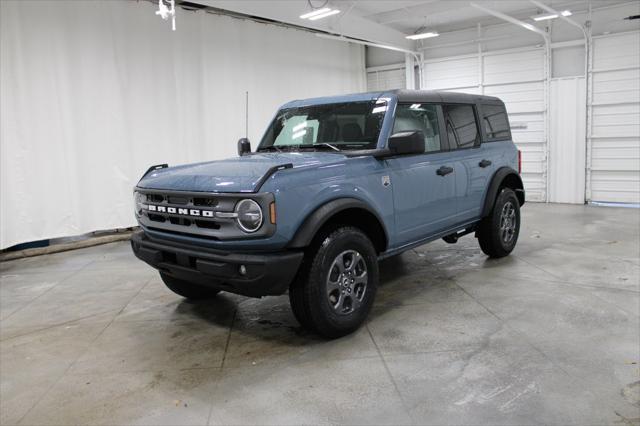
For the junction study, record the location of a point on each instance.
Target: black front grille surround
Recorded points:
(201, 214)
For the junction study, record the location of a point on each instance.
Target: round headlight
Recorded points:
(249, 215)
(138, 200)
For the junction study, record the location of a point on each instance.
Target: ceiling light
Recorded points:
(324, 15)
(547, 16)
(544, 17)
(528, 26)
(422, 35)
(314, 13)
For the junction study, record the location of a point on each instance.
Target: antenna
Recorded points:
(246, 115)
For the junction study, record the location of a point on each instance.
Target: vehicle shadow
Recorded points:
(270, 319)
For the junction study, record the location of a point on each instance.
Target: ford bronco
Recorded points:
(335, 185)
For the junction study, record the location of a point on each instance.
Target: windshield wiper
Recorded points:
(335, 148)
(319, 145)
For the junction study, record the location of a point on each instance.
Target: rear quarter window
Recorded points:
(462, 128)
(495, 123)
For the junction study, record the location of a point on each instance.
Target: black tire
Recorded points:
(497, 235)
(187, 289)
(321, 299)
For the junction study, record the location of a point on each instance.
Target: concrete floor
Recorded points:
(549, 335)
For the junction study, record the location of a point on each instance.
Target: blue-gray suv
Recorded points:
(335, 185)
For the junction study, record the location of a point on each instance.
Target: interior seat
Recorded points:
(407, 121)
(351, 132)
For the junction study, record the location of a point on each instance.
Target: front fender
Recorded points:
(316, 220)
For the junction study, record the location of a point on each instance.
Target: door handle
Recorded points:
(484, 163)
(444, 170)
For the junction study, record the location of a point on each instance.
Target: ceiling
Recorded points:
(447, 15)
(389, 21)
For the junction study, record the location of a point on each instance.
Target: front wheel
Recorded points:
(334, 291)
(187, 289)
(498, 232)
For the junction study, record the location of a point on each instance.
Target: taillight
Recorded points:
(519, 162)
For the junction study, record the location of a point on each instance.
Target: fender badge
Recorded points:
(386, 181)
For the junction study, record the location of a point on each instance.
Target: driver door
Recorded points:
(423, 184)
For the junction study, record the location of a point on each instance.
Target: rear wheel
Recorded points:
(498, 232)
(334, 291)
(187, 289)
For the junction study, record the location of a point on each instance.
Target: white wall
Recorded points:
(386, 77)
(93, 92)
(377, 57)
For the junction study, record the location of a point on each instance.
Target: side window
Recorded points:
(495, 122)
(423, 117)
(461, 125)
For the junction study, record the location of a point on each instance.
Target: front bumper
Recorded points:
(266, 273)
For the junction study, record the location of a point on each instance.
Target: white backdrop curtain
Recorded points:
(93, 92)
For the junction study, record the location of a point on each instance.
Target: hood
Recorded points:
(241, 174)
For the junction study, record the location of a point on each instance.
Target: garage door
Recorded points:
(458, 74)
(518, 79)
(614, 120)
(386, 78)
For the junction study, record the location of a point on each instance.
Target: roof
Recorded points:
(406, 95)
(403, 95)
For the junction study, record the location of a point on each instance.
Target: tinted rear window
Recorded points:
(461, 125)
(495, 123)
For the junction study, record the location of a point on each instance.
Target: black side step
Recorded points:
(453, 238)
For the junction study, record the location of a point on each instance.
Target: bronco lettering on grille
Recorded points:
(181, 211)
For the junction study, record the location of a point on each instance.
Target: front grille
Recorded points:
(155, 198)
(180, 201)
(205, 202)
(157, 217)
(173, 212)
(199, 214)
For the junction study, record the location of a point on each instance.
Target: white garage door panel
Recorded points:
(470, 90)
(616, 86)
(617, 82)
(620, 187)
(528, 135)
(615, 119)
(386, 80)
(514, 67)
(616, 51)
(519, 98)
(615, 154)
(452, 73)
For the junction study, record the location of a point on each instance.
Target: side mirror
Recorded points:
(244, 146)
(403, 143)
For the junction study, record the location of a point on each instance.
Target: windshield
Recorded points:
(331, 127)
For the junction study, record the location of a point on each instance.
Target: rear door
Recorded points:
(424, 184)
(473, 161)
